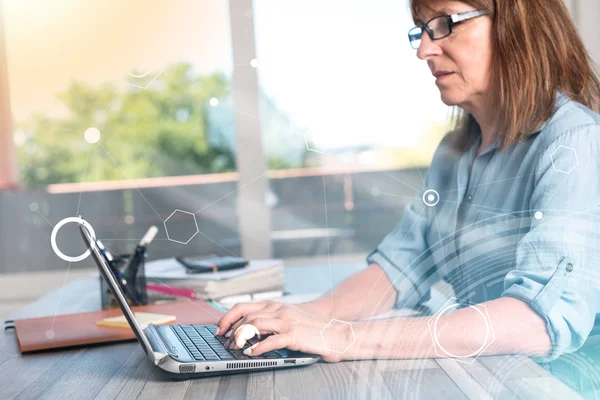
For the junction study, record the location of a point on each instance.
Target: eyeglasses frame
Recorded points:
(451, 20)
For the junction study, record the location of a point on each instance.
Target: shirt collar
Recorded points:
(496, 144)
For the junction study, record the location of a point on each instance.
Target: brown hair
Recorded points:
(537, 52)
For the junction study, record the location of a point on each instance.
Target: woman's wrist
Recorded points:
(365, 342)
(391, 338)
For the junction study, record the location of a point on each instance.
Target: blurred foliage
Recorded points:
(170, 129)
(158, 131)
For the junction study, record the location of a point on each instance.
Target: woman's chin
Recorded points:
(449, 98)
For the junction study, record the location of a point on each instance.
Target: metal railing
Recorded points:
(363, 205)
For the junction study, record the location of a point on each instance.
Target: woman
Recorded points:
(507, 214)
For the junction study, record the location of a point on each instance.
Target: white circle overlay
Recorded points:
(476, 352)
(65, 221)
(91, 135)
(431, 198)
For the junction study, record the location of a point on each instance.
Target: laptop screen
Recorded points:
(114, 287)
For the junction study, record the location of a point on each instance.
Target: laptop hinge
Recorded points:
(159, 348)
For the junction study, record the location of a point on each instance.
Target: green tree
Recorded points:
(158, 131)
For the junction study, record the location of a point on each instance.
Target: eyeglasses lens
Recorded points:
(414, 35)
(439, 27)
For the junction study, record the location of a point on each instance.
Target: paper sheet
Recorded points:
(171, 269)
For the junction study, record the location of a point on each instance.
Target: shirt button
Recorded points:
(569, 267)
(470, 198)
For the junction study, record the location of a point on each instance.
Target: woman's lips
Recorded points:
(442, 77)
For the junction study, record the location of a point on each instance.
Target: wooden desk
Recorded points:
(122, 371)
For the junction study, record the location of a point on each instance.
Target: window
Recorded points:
(122, 113)
(140, 77)
(363, 120)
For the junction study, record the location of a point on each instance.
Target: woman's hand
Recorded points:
(238, 313)
(234, 317)
(295, 327)
(291, 328)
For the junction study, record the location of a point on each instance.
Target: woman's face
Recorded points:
(466, 54)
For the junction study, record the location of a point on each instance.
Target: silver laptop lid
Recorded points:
(108, 276)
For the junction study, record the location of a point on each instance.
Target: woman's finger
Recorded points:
(262, 326)
(244, 321)
(238, 312)
(264, 312)
(274, 342)
(270, 325)
(244, 333)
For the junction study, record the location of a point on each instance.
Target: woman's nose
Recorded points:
(428, 48)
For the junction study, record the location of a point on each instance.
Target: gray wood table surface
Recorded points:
(121, 371)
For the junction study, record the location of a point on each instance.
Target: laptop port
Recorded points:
(289, 361)
(187, 368)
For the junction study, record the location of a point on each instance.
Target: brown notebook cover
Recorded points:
(80, 329)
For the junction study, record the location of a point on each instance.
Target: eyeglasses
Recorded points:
(440, 27)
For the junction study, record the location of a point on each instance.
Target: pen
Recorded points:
(149, 236)
(137, 258)
(139, 252)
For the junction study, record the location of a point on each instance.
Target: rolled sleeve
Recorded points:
(557, 262)
(403, 254)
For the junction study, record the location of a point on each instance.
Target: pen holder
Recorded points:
(134, 288)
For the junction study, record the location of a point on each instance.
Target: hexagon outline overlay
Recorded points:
(308, 147)
(185, 212)
(572, 168)
(351, 331)
(142, 76)
(489, 333)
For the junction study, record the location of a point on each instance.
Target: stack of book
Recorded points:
(172, 277)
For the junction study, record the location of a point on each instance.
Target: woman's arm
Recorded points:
(362, 295)
(510, 326)
(513, 328)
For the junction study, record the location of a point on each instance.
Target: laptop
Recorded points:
(190, 351)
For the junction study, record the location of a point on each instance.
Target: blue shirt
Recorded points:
(522, 222)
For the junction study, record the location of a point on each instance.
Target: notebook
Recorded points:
(258, 276)
(170, 269)
(70, 330)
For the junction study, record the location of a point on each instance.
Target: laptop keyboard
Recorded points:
(204, 346)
